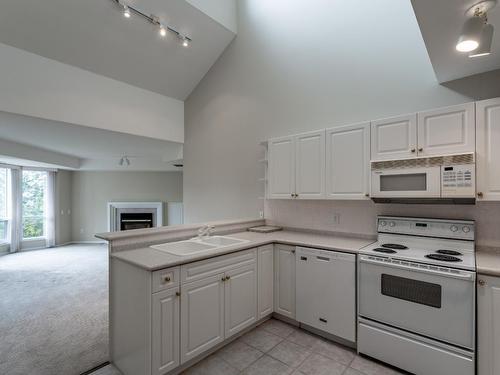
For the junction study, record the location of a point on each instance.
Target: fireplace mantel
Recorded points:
(116, 208)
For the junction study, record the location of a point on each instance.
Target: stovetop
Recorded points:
(437, 242)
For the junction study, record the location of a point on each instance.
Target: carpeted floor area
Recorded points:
(54, 310)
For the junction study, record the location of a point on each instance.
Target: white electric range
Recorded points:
(416, 295)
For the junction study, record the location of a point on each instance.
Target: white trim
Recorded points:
(114, 206)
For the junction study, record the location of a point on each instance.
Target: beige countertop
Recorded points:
(488, 262)
(151, 259)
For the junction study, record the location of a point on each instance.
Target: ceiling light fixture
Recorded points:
(484, 48)
(126, 11)
(155, 20)
(476, 29)
(124, 161)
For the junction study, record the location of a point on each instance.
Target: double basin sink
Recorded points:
(197, 245)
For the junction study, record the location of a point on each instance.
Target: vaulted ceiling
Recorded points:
(93, 35)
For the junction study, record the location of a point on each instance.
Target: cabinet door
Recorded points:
(488, 149)
(448, 130)
(310, 165)
(488, 325)
(202, 316)
(394, 138)
(284, 280)
(265, 273)
(281, 163)
(241, 299)
(165, 335)
(348, 162)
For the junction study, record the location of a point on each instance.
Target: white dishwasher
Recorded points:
(326, 291)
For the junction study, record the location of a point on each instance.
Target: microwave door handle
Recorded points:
(463, 276)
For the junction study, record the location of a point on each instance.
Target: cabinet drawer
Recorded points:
(205, 268)
(165, 279)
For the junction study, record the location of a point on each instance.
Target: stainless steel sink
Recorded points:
(197, 245)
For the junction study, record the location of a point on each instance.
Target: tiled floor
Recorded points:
(276, 348)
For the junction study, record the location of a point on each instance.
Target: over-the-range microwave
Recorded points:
(435, 179)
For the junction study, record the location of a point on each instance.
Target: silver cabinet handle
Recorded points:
(481, 282)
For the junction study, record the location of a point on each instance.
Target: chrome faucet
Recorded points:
(205, 230)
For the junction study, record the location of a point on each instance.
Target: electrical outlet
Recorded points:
(336, 218)
(261, 214)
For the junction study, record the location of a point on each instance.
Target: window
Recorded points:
(34, 193)
(3, 205)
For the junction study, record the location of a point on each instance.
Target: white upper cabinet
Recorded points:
(348, 161)
(394, 138)
(448, 130)
(297, 166)
(310, 165)
(488, 149)
(281, 166)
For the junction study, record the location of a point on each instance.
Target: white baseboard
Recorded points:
(82, 242)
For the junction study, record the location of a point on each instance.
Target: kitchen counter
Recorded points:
(151, 259)
(488, 261)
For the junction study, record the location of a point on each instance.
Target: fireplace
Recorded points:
(134, 215)
(136, 220)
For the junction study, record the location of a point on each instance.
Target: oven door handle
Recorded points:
(462, 275)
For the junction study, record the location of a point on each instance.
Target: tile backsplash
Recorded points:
(358, 217)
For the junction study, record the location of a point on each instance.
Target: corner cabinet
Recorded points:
(348, 162)
(488, 149)
(297, 166)
(488, 325)
(284, 280)
(265, 270)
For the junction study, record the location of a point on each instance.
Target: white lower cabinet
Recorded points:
(265, 270)
(240, 299)
(284, 280)
(202, 316)
(488, 325)
(165, 331)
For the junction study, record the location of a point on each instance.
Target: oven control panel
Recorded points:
(458, 181)
(453, 229)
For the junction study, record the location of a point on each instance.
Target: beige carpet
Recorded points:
(54, 310)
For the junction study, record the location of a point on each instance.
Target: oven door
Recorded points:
(406, 183)
(432, 301)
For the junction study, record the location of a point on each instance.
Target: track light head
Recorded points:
(126, 11)
(163, 31)
(471, 34)
(185, 41)
(484, 48)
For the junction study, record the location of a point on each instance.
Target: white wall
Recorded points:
(298, 66)
(93, 190)
(36, 86)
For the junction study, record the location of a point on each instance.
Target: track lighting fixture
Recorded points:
(477, 34)
(163, 29)
(126, 11)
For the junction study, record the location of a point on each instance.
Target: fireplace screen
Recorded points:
(136, 220)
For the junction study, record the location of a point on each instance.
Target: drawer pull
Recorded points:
(178, 294)
(323, 258)
(323, 320)
(167, 279)
(303, 258)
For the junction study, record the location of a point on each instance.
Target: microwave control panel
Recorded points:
(458, 180)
